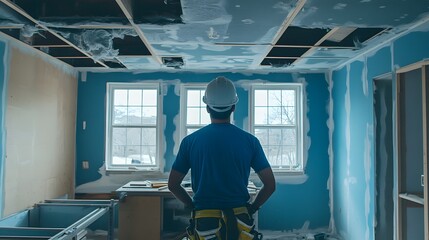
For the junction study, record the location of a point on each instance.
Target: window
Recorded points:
(193, 109)
(276, 121)
(132, 126)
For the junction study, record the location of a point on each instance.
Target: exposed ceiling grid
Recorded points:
(271, 35)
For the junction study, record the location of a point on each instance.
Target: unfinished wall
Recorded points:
(40, 126)
(300, 201)
(354, 129)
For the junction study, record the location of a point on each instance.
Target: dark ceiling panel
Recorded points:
(301, 36)
(174, 62)
(45, 38)
(38, 38)
(13, 32)
(275, 62)
(70, 11)
(81, 62)
(130, 46)
(63, 52)
(357, 37)
(287, 52)
(157, 11)
(112, 64)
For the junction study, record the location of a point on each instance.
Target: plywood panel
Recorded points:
(40, 125)
(140, 218)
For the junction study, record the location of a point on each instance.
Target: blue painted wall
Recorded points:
(353, 135)
(292, 204)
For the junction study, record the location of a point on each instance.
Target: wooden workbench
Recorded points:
(141, 210)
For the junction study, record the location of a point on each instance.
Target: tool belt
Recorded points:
(229, 225)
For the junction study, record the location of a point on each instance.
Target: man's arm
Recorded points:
(269, 186)
(174, 185)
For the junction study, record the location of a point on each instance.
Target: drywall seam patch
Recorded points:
(306, 127)
(364, 77)
(176, 134)
(395, 139)
(347, 132)
(331, 126)
(367, 167)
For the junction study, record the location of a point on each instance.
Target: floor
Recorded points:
(276, 235)
(267, 235)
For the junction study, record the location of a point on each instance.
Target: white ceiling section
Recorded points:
(195, 35)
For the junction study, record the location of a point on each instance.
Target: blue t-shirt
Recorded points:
(220, 157)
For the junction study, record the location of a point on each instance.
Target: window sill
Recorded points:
(287, 173)
(133, 169)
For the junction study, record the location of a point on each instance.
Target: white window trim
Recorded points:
(183, 104)
(298, 87)
(108, 140)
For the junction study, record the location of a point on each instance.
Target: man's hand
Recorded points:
(175, 187)
(251, 209)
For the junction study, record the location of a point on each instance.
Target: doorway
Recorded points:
(384, 160)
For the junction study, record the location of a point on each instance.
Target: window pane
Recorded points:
(275, 98)
(274, 115)
(134, 115)
(290, 158)
(261, 115)
(261, 98)
(134, 97)
(288, 115)
(133, 136)
(149, 155)
(118, 154)
(133, 155)
(150, 97)
(289, 137)
(149, 136)
(119, 136)
(119, 115)
(201, 98)
(193, 116)
(149, 115)
(120, 97)
(288, 97)
(274, 155)
(275, 136)
(194, 98)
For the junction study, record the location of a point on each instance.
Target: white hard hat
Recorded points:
(220, 94)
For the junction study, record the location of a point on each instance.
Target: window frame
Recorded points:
(159, 162)
(184, 106)
(299, 111)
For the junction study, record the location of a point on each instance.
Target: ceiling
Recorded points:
(273, 35)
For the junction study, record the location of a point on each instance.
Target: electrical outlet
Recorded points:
(85, 164)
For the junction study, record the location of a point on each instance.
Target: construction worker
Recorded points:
(220, 157)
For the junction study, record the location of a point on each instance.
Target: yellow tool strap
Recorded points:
(215, 213)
